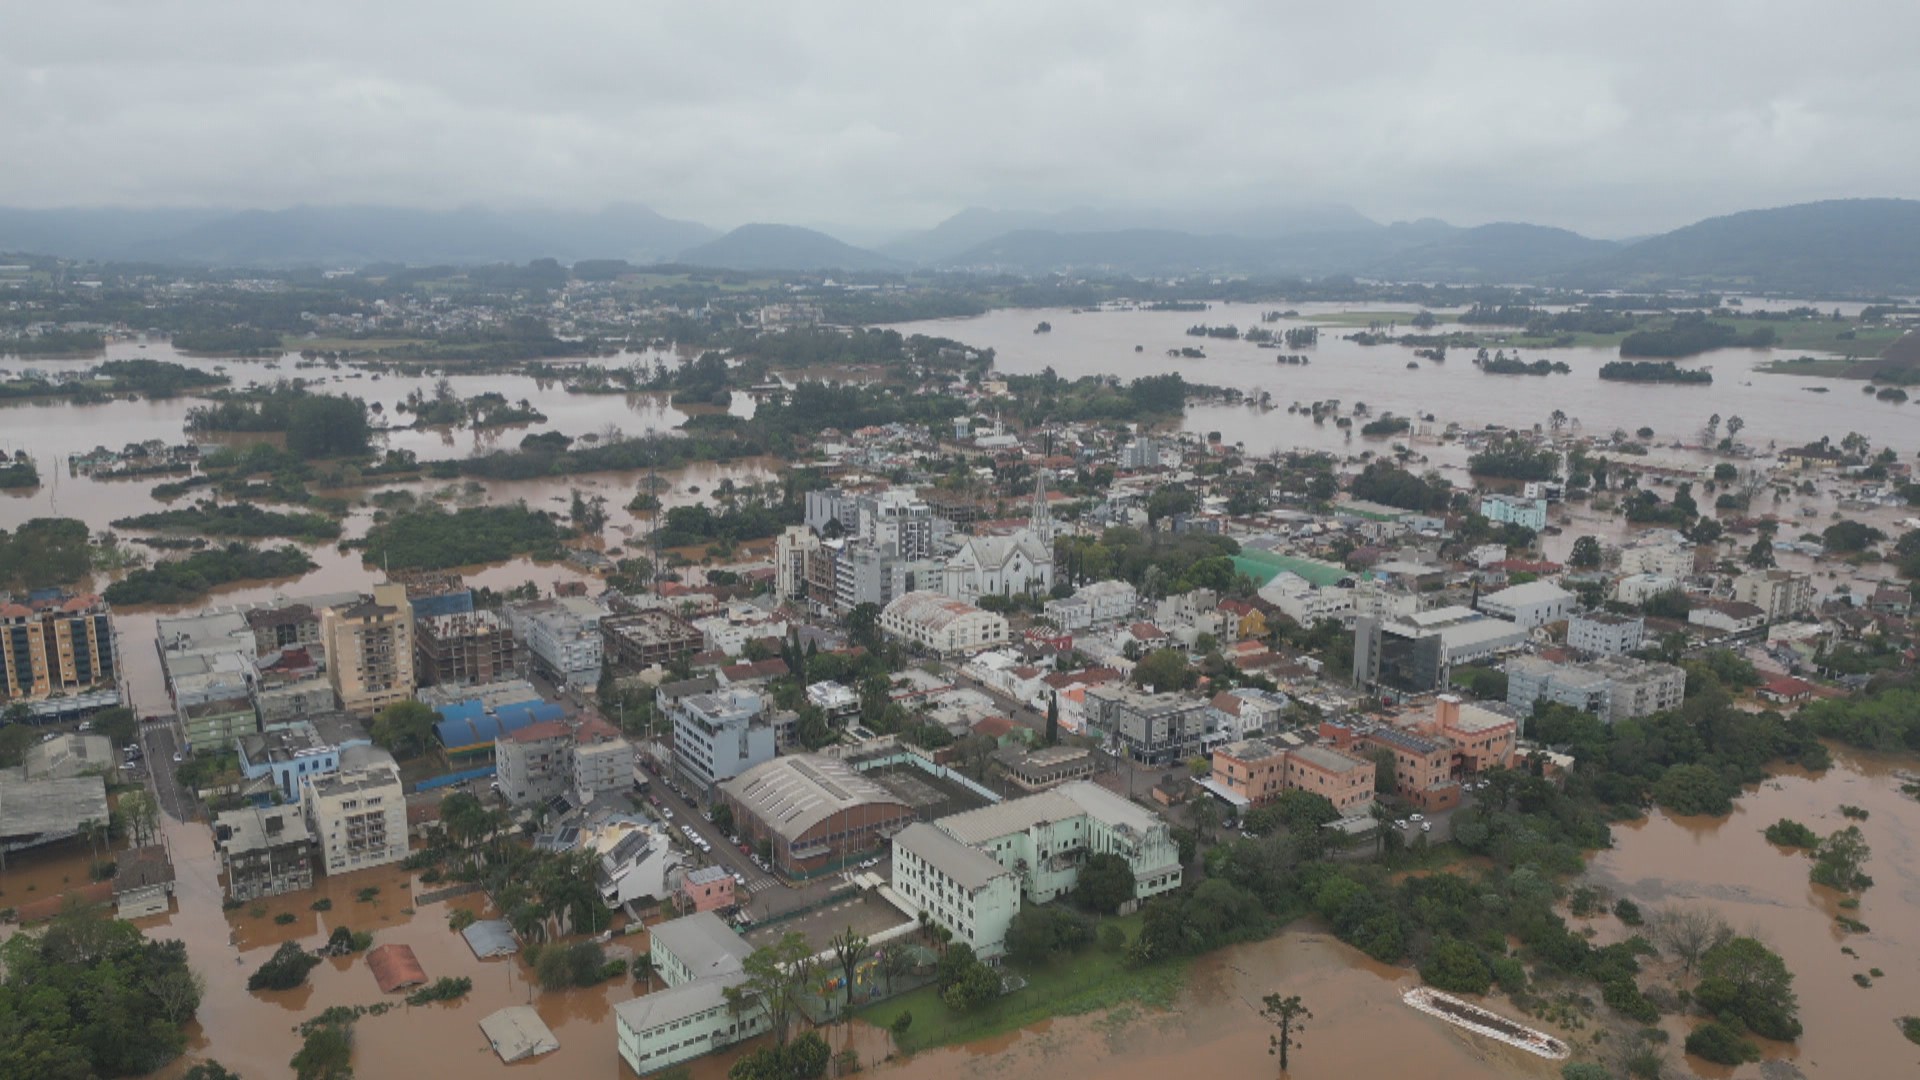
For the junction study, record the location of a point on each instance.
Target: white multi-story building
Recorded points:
(1663, 552)
(1506, 509)
(957, 886)
(1093, 604)
(1533, 604)
(729, 631)
(942, 624)
(1640, 588)
(790, 552)
(1304, 602)
(1602, 633)
(720, 735)
(1612, 688)
(358, 816)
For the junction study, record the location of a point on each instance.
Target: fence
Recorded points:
(451, 779)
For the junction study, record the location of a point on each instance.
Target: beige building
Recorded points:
(370, 650)
(1782, 594)
(358, 816)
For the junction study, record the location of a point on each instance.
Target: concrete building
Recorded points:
(635, 641)
(941, 624)
(462, 648)
(1422, 766)
(815, 813)
(729, 631)
(1602, 633)
(358, 816)
(636, 861)
(1511, 510)
(1013, 565)
(562, 638)
(1044, 839)
(1782, 594)
(1531, 605)
(1306, 603)
(285, 626)
(265, 851)
(57, 651)
(40, 811)
(1612, 688)
(718, 736)
(1417, 653)
(1662, 552)
(1157, 729)
(700, 958)
(1046, 767)
(369, 647)
(535, 762)
(957, 886)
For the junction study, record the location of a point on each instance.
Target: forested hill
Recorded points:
(783, 247)
(1840, 247)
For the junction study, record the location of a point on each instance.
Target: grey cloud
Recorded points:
(1614, 118)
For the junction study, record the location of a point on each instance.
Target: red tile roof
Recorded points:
(395, 967)
(545, 729)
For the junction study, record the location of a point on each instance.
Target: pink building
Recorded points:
(707, 889)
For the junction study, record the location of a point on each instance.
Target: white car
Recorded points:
(1415, 817)
(179, 755)
(1426, 826)
(1400, 824)
(666, 813)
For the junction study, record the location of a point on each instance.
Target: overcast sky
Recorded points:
(1615, 118)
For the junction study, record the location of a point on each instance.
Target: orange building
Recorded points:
(1422, 767)
(1255, 772)
(1481, 738)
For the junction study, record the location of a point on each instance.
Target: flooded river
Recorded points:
(1775, 407)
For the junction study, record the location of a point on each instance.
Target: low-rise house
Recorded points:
(1729, 616)
(709, 888)
(142, 882)
(1046, 767)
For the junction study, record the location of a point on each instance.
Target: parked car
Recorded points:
(666, 812)
(1400, 824)
(1426, 826)
(1415, 817)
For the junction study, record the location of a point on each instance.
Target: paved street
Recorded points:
(159, 742)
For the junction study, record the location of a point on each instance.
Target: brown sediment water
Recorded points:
(1727, 865)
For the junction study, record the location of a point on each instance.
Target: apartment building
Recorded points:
(1511, 510)
(700, 959)
(358, 816)
(1613, 688)
(562, 638)
(941, 624)
(1045, 839)
(1254, 772)
(602, 761)
(55, 646)
(1782, 594)
(369, 647)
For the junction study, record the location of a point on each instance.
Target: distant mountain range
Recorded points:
(1841, 247)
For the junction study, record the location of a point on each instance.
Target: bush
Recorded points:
(322, 904)
(1628, 912)
(1789, 833)
(1457, 967)
(284, 918)
(1721, 1044)
(460, 919)
(441, 990)
(1112, 938)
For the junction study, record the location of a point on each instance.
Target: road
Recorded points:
(724, 852)
(159, 742)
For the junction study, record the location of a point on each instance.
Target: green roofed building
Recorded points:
(1264, 566)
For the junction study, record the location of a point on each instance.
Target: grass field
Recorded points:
(341, 344)
(1088, 981)
(1821, 335)
(1364, 319)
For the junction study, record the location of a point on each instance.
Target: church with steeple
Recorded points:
(1008, 565)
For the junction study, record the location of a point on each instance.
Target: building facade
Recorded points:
(1509, 510)
(941, 624)
(1157, 729)
(1782, 594)
(265, 851)
(956, 886)
(1612, 688)
(1533, 604)
(535, 762)
(635, 641)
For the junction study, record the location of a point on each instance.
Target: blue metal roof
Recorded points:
(468, 725)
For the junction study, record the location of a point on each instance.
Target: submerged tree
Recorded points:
(1289, 1015)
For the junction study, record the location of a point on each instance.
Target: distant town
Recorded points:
(638, 665)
